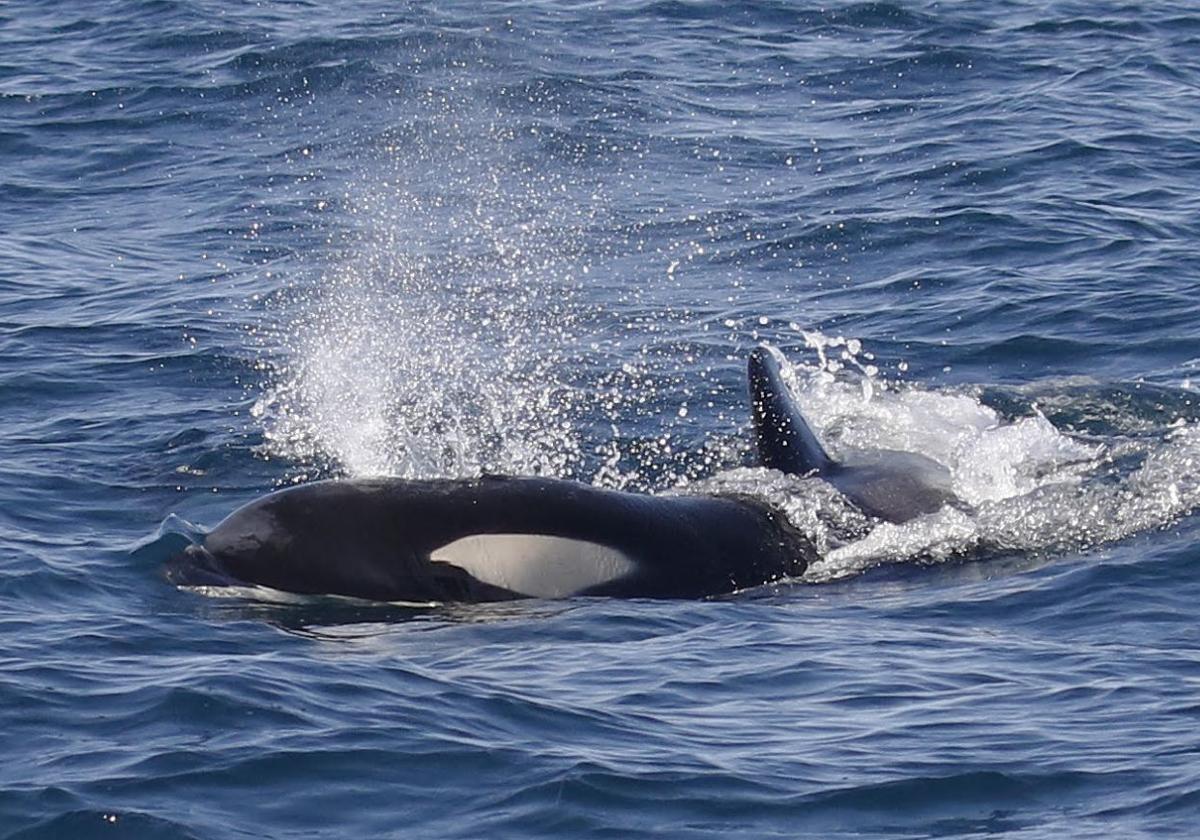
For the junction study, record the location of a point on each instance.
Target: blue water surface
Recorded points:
(249, 244)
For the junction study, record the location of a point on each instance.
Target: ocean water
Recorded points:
(244, 245)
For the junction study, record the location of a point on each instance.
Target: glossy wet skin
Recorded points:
(377, 539)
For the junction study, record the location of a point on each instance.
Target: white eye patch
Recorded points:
(536, 565)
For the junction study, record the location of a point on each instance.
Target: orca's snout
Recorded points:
(195, 566)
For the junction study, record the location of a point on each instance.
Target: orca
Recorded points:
(496, 538)
(493, 538)
(886, 484)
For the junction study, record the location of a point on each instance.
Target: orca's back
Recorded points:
(785, 440)
(893, 486)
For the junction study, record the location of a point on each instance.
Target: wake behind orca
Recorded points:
(501, 538)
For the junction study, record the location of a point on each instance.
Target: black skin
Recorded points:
(785, 441)
(372, 539)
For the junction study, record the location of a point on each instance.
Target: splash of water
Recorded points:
(432, 345)
(387, 380)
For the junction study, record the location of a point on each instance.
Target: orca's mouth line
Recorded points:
(196, 567)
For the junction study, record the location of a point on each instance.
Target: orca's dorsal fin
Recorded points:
(785, 441)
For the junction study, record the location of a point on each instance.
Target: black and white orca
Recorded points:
(502, 538)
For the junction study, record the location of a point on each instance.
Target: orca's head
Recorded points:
(196, 566)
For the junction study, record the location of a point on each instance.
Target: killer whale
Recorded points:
(886, 484)
(493, 538)
(497, 538)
